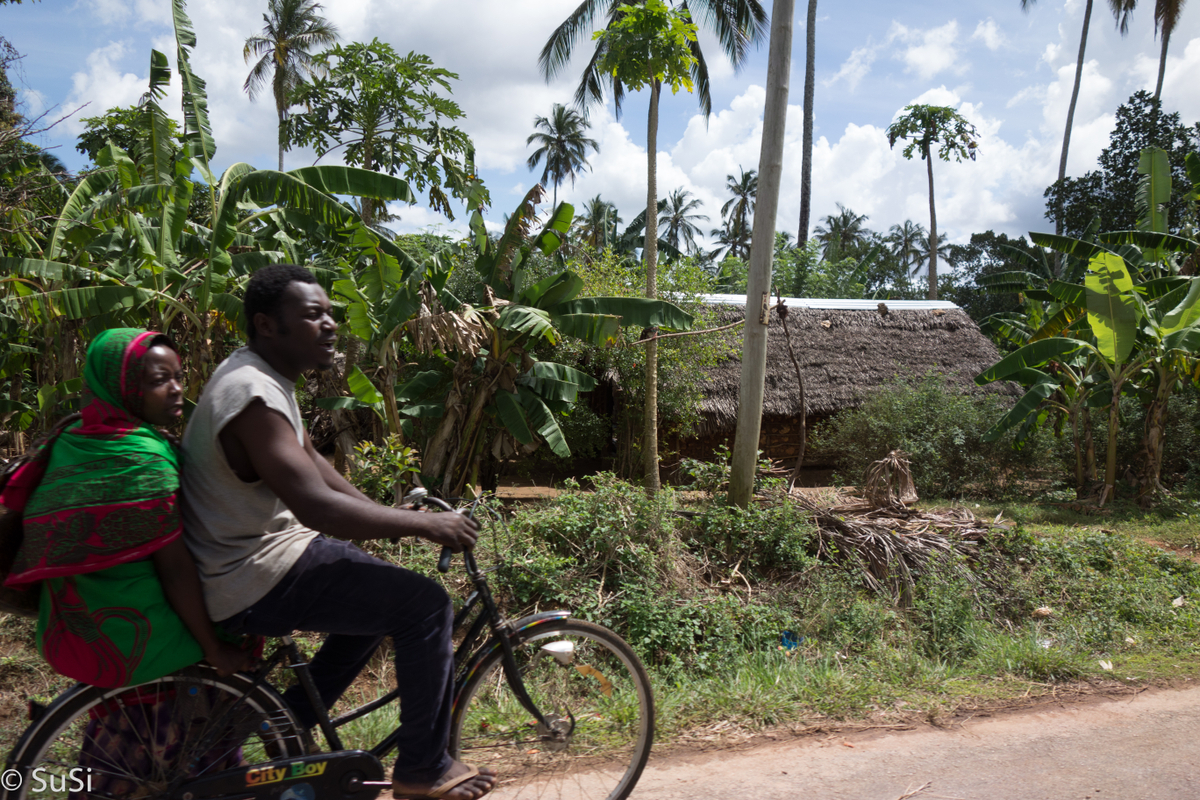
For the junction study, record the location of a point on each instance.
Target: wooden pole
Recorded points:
(762, 249)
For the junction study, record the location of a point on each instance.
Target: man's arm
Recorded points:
(181, 584)
(266, 440)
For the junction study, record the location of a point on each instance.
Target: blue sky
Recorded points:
(1007, 71)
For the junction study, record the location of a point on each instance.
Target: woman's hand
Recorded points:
(229, 658)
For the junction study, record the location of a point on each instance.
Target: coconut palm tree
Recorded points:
(1166, 16)
(904, 241)
(841, 233)
(810, 65)
(1122, 9)
(597, 225)
(738, 211)
(562, 144)
(923, 252)
(737, 24)
(284, 52)
(677, 220)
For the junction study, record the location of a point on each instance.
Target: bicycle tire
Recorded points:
(157, 746)
(598, 682)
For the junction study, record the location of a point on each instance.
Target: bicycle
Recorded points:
(559, 707)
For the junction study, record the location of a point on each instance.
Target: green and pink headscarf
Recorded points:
(107, 493)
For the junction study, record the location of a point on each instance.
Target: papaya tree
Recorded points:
(928, 129)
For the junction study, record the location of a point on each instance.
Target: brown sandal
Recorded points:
(442, 789)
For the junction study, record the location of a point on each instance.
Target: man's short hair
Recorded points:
(264, 292)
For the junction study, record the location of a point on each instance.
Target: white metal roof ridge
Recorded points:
(836, 303)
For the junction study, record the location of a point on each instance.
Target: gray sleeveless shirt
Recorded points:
(243, 537)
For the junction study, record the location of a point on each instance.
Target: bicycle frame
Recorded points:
(479, 611)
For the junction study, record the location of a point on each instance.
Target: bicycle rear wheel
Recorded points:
(138, 741)
(596, 697)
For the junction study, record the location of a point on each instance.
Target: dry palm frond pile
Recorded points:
(890, 543)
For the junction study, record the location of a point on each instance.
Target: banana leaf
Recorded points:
(1151, 240)
(1067, 245)
(553, 290)
(511, 414)
(1029, 403)
(638, 312)
(1112, 310)
(1034, 354)
(333, 179)
(543, 422)
(362, 388)
(598, 329)
(418, 385)
(550, 370)
(1186, 312)
(1061, 321)
(527, 321)
(1154, 189)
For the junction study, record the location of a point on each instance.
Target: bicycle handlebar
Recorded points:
(443, 564)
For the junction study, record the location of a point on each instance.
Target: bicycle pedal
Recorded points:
(36, 710)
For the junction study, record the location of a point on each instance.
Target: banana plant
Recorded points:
(503, 397)
(1128, 336)
(123, 249)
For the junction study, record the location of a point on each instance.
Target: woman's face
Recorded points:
(162, 386)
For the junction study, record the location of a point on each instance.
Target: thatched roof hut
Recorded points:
(846, 349)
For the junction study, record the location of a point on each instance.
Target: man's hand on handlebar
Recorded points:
(456, 531)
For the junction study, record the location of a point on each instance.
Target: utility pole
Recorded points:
(762, 250)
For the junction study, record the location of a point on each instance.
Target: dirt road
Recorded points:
(1145, 747)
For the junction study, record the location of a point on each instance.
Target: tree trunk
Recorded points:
(1152, 440)
(1110, 456)
(366, 203)
(1078, 446)
(1089, 449)
(810, 58)
(650, 253)
(762, 250)
(279, 89)
(1066, 146)
(933, 237)
(1162, 69)
(803, 405)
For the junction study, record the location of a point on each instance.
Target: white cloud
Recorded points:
(102, 86)
(856, 67)
(989, 33)
(32, 101)
(931, 51)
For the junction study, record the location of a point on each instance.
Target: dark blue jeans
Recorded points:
(337, 589)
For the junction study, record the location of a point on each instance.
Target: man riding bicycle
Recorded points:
(259, 502)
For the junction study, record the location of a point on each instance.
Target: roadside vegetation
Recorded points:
(746, 625)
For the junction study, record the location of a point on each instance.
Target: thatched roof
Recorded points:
(844, 355)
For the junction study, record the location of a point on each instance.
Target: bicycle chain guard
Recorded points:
(344, 775)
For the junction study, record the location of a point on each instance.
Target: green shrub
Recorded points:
(944, 617)
(941, 430)
(383, 468)
(765, 541)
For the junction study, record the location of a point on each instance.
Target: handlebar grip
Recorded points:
(443, 564)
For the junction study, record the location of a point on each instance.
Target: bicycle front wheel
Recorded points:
(599, 709)
(140, 741)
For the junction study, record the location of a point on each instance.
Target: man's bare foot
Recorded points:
(461, 782)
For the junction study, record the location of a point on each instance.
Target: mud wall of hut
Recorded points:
(779, 439)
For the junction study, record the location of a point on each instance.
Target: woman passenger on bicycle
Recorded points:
(121, 602)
